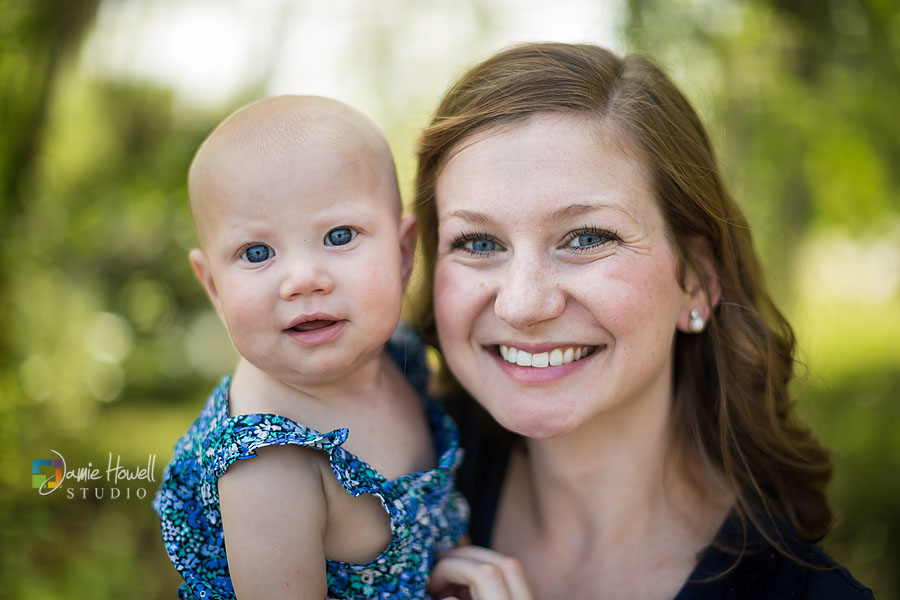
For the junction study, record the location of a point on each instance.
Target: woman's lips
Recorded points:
(536, 368)
(316, 331)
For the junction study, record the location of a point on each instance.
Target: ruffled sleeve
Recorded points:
(243, 435)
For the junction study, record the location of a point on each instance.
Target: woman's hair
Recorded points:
(731, 405)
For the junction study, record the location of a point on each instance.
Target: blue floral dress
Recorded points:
(427, 514)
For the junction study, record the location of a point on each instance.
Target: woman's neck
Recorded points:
(616, 492)
(609, 475)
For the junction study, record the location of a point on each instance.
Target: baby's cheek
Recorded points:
(380, 278)
(244, 314)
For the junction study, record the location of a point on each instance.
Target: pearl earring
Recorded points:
(697, 323)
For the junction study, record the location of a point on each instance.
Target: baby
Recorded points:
(305, 256)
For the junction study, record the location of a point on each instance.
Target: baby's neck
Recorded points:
(385, 416)
(256, 391)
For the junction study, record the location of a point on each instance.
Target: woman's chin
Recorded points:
(538, 425)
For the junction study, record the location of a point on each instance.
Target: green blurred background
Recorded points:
(108, 346)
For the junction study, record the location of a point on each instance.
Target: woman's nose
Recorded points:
(304, 277)
(528, 294)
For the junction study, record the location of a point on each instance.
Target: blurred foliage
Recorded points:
(97, 304)
(109, 346)
(800, 97)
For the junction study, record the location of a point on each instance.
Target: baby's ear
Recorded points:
(204, 275)
(408, 237)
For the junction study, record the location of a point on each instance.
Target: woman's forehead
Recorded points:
(551, 162)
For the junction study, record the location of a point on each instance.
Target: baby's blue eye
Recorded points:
(586, 240)
(339, 236)
(258, 253)
(481, 245)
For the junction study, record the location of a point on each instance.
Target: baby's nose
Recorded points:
(305, 278)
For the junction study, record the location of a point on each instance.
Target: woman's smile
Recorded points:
(536, 368)
(559, 355)
(556, 289)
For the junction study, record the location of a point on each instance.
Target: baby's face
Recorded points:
(308, 260)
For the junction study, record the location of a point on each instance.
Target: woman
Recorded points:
(596, 291)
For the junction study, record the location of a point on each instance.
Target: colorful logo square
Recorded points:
(39, 479)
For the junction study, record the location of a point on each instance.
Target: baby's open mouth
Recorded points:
(553, 358)
(312, 325)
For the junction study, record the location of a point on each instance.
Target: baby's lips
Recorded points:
(313, 325)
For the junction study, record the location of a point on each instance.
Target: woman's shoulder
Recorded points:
(797, 570)
(835, 584)
(775, 576)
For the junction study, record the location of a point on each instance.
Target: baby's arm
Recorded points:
(274, 515)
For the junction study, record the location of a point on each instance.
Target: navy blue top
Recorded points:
(762, 571)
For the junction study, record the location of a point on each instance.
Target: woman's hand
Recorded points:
(472, 572)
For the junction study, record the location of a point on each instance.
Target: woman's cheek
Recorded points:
(457, 298)
(443, 292)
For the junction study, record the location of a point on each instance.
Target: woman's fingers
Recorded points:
(487, 574)
(484, 581)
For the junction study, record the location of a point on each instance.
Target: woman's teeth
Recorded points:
(553, 358)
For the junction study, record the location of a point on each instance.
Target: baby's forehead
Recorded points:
(277, 132)
(291, 123)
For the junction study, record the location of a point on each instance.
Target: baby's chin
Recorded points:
(330, 370)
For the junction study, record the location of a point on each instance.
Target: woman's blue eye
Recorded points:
(339, 236)
(586, 240)
(258, 253)
(476, 243)
(481, 245)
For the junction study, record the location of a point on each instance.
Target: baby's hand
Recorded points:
(478, 573)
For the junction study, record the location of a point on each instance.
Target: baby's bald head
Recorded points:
(276, 132)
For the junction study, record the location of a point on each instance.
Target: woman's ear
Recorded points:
(408, 238)
(701, 282)
(204, 275)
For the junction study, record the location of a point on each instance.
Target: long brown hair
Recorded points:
(731, 407)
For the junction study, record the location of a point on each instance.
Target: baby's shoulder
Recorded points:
(244, 436)
(265, 477)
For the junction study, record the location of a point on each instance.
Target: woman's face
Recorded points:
(556, 294)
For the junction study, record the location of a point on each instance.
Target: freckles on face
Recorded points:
(459, 299)
(549, 239)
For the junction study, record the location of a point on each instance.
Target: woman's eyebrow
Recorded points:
(577, 210)
(562, 214)
(478, 218)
